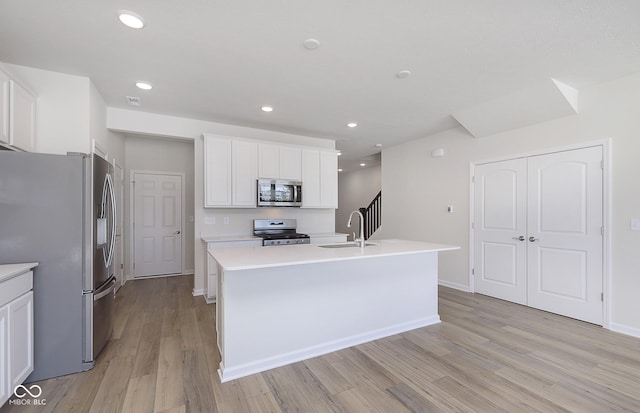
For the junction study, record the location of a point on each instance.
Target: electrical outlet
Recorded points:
(635, 224)
(226, 220)
(209, 220)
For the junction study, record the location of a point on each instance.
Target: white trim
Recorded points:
(132, 259)
(98, 149)
(227, 374)
(198, 292)
(623, 329)
(455, 286)
(606, 144)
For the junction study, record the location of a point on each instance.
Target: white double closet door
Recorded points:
(538, 235)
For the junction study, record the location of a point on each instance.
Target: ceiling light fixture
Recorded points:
(403, 74)
(352, 124)
(378, 145)
(339, 153)
(363, 164)
(267, 109)
(131, 19)
(339, 169)
(144, 85)
(311, 44)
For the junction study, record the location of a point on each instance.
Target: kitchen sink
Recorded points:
(344, 245)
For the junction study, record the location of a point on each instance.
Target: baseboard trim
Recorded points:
(197, 292)
(621, 328)
(455, 286)
(232, 373)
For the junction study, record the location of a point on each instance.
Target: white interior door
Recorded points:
(538, 232)
(500, 227)
(565, 233)
(157, 224)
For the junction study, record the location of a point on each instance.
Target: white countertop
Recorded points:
(245, 258)
(8, 271)
(224, 238)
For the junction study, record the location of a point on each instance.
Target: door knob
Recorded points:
(532, 239)
(177, 232)
(520, 238)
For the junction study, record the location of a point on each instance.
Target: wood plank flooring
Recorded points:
(486, 356)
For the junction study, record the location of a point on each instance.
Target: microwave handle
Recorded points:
(295, 193)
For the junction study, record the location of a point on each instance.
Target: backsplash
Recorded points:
(239, 221)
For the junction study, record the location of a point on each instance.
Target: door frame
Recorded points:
(606, 211)
(131, 237)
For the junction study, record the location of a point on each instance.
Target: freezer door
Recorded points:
(103, 300)
(104, 222)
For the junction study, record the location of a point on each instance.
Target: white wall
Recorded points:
(356, 189)
(111, 142)
(417, 188)
(171, 126)
(161, 155)
(62, 109)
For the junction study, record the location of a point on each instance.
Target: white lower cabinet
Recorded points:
(212, 265)
(16, 328)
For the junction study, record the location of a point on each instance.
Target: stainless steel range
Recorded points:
(278, 232)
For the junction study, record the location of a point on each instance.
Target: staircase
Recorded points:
(372, 215)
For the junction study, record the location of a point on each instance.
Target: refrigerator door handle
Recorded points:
(112, 198)
(106, 291)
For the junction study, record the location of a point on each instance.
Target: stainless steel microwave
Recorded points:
(279, 193)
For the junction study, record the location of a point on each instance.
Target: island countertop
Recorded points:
(244, 258)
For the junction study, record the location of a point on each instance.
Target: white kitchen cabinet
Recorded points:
(22, 117)
(217, 171)
(212, 265)
(244, 173)
(319, 179)
(230, 169)
(4, 107)
(16, 326)
(17, 114)
(279, 162)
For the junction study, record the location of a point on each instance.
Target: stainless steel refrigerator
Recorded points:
(59, 211)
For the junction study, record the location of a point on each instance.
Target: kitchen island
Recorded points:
(281, 304)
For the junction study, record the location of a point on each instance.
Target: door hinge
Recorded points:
(473, 225)
(602, 297)
(601, 164)
(473, 179)
(473, 271)
(602, 231)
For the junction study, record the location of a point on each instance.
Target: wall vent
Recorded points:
(133, 101)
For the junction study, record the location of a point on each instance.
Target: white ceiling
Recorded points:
(221, 60)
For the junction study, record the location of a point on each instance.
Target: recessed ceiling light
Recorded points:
(403, 74)
(131, 19)
(339, 169)
(378, 145)
(363, 164)
(311, 44)
(339, 153)
(267, 109)
(144, 85)
(352, 124)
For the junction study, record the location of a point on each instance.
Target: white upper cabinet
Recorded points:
(230, 169)
(244, 171)
(22, 124)
(4, 107)
(279, 162)
(217, 171)
(319, 179)
(233, 165)
(17, 114)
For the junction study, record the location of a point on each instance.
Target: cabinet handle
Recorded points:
(532, 239)
(177, 232)
(520, 238)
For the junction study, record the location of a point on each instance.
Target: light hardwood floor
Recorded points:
(486, 356)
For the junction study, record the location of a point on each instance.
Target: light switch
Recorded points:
(209, 220)
(635, 224)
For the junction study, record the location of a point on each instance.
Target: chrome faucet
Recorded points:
(360, 240)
